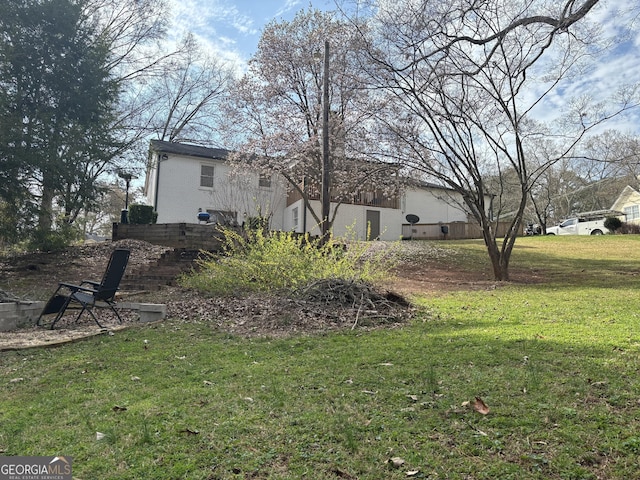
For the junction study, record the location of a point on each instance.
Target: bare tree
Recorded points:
(133, 30)
(589, 178)
(277, 123)
(612, 154)
(466, 77)
(186, 99)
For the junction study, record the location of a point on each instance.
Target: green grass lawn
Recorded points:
(557, 362)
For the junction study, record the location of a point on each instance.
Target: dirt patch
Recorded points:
(433, 277)
(35, 276)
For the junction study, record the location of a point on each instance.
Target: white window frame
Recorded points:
(204, 176)
(632, 212)
(265, 180)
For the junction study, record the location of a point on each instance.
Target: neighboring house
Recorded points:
(185, 179)
(628, 202)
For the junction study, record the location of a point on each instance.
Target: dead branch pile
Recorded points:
(347, 293)
(319, 307)
(6, 297)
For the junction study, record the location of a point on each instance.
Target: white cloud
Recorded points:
(218, 25)
(288, 6)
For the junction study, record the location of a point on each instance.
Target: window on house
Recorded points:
(206, 176)
(295, 217)
(632, 212)
(265, 180)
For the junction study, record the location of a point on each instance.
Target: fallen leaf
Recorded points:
(396, 462)
(118, 408)
(16, 380)
(99, 436)
(207, 382)
(188, 431)
(479, 406)
(413, 397)
(412, 473)
(135, 379)
(599, 384)
(342, 474)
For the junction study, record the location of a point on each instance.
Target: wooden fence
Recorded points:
(455, 231)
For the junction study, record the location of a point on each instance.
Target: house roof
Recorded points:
(626, 196)
(421, 184)
(161, 146)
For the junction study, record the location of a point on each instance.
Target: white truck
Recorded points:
(586, 223)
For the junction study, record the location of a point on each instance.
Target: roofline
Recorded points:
(412, 182)
(161, 146)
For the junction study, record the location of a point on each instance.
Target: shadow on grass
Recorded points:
(562, 405)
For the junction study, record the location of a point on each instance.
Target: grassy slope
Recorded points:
(557, 363)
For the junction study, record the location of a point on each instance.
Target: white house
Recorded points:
(183, 180)
(628, 202)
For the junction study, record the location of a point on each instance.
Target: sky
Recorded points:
(231, 29)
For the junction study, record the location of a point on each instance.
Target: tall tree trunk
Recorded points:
(500, 269)
(45, 214)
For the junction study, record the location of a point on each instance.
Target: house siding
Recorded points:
(173, 187)
(432, 205)
(181, 194)
(629, 203)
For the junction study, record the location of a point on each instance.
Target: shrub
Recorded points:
(629, 228)
(257, 223)
(254, 261)
(142, 214)
(54, 240)
(612, 223)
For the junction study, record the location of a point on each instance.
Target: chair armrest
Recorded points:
(76, 288)
(91, 282)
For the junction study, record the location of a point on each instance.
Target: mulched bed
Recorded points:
(323, 306)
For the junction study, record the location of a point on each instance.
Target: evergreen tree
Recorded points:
(57, 101)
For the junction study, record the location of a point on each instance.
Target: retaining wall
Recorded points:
(14, 315)
(190, 236)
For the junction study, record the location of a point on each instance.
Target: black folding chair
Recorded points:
(89, 292)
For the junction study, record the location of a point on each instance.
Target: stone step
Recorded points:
(169, 266)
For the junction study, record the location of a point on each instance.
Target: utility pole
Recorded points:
(326, 161)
